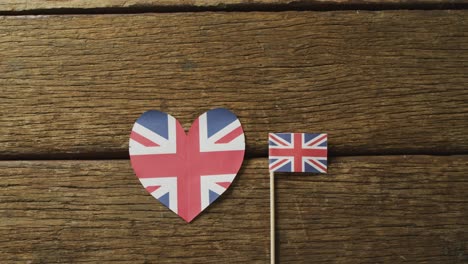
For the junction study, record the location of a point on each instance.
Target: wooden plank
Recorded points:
(377, 209)
(378, 82)
(28, 5)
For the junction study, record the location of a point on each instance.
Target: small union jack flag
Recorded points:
(297, 152)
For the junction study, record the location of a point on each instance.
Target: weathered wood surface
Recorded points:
(378, 82)
(380, 209)
(28, 5)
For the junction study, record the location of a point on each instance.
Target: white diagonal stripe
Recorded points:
(209, 182)
(280, 159)
(278, 140)
(316, 145)
(313, 165)
(208, 145)
(168, 185)
(165, 146)
(149, 134)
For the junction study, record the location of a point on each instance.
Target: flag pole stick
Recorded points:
(272, 218)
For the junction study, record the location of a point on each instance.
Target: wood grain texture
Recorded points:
(377, 82)
(28, 5)
(385, 209)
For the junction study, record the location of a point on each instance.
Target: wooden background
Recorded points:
(387, 80)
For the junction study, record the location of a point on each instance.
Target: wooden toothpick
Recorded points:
(272, 217)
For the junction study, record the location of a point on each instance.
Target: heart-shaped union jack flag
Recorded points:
(187, 172)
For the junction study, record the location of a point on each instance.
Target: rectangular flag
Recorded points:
(297, 152)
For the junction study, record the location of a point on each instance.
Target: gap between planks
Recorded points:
(125, 156)
(61, 8)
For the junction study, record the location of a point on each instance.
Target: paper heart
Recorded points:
(187, 172)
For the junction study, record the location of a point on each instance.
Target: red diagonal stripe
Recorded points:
(278, 140)
(151, 189)
(142, 140)
(232, 135)
(279, 164)
(318, 164)
(315, 141)
(225, 185)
